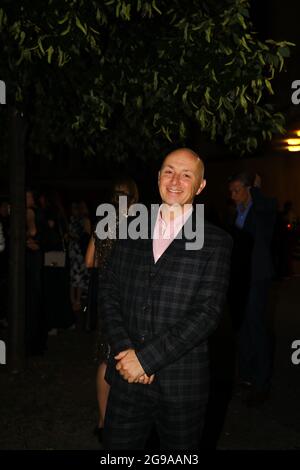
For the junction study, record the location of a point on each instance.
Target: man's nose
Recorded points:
(175, 178)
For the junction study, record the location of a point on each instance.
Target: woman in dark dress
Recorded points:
(97, 258)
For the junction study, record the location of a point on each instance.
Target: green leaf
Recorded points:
(166, 132)
(269, 86)
(223, 117)
(214, 76)
(182, 130)
(155, 81)
(50, 51)
(243, 57)
(154, 6)
(65, 18)
(259, 96)
(80, 26)
(185, 35)
(243, 102)
(208, 32)
(22, 38)
(241, 20)
(284, 51)
(41, 46)
(20, 59)
(176, 89)
(281, 60)
(184, 97)
(201, 117)
(66, 31)
(60, 57)
(244, 43)
(207, 95)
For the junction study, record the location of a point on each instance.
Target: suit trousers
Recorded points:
(254, 344)
(133, 409)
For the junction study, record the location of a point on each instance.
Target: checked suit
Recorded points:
(166, 312)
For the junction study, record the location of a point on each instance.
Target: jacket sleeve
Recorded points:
(109, 301)
(198, 324)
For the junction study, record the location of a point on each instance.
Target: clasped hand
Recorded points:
(129, 367)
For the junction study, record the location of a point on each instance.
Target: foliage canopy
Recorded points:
(122, 77)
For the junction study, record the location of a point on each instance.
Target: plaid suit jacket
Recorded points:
(166, 311)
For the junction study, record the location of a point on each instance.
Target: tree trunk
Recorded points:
(16, 346)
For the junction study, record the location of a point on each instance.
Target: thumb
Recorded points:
(121, 355)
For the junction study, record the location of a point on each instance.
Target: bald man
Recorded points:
(161, 302)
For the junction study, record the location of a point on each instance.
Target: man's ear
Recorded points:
(201, 187)
(158, 176)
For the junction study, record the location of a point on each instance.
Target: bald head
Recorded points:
(181, 176)
(190, 155)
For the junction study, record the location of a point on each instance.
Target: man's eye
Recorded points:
(186, 175)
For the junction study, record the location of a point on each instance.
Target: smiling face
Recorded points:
(180, 178)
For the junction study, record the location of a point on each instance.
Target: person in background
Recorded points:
(251, 273)
(79, 233)
(56, 301)
(35, 325)
(97, 259)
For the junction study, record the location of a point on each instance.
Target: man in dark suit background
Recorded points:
(251, 273)
(160, 304)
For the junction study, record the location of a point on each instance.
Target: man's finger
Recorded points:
(144, 379)
(130, 380)
(151, 379)
(121, 354)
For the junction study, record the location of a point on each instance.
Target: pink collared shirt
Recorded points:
(164, 233)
